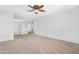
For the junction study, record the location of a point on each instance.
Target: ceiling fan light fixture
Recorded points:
(36, 8)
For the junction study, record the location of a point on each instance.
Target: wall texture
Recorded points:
(63, 25)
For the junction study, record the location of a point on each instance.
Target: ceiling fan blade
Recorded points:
(40, 6)
(41, 10)
(30, 6)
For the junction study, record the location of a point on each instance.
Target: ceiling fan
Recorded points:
(36, 8)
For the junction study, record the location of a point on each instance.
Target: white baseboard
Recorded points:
(6, 39)
(59, 38)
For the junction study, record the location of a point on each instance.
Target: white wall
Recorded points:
(6, 26)
(63, 25)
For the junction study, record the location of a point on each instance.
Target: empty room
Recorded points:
(39, 29)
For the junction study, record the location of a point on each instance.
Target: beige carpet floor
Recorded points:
(34, 44)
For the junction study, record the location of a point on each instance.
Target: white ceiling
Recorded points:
(20, 11)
